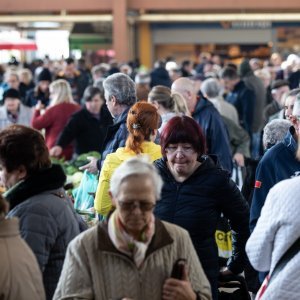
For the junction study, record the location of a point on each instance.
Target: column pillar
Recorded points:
(145, 44)
(120, 30)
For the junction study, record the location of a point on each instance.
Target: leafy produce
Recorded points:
(71, 168)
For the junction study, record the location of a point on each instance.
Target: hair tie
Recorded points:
(136, 125)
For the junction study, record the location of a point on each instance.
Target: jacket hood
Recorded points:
(289, 140)
(44, 180)
(149, 148)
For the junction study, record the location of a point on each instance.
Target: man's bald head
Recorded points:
(186, 88)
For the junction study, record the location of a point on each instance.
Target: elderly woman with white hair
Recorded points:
(274, 132)
(132, 254)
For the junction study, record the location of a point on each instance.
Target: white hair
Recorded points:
(274, 132)
(211, 88)
(136, 166)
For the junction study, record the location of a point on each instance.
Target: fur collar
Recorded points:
(46, 179)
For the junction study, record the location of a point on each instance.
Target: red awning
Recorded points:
(17, 44)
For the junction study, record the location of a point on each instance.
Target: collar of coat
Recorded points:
(208, 162)
(44, 180)
(160, 239)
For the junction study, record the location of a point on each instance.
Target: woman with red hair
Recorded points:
(195, 193)
(142, 123)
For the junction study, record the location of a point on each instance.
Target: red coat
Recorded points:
(53, 121)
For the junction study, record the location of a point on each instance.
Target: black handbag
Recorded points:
(232, 287)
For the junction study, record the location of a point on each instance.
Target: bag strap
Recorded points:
(285, 258)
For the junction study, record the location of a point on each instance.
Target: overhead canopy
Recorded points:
(17, 44)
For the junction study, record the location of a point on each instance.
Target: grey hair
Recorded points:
(122, 87)
(274, 132)
(211, 88)
(136, 166)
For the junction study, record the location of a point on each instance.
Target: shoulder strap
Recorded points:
(286, 257)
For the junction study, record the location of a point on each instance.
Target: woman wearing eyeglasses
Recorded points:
(132, 254)
(142, 124)
(195, 193)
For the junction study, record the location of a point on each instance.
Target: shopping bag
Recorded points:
(223, 238)
(84, 195)
(238, 175)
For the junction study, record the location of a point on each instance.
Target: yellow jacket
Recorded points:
(112, 161)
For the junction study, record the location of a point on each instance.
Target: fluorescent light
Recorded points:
(55, 18)
(218, 17)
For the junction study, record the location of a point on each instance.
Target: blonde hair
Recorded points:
(173, 102)
(180, 104)
(61, 90)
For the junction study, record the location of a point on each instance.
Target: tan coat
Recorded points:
(20, 275)
(95, 269)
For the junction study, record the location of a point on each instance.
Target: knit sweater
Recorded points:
(95, 269)
(277, 229)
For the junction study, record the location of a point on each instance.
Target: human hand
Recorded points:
(55, 151)
(175, 289)
(239, 159)
(39, 105)
(91, 167)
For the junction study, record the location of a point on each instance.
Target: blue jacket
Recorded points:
(277, 164)
(34, 95)
(244, 101)
(47, 220)
(214, 129)
(196, 205)
(116, 137)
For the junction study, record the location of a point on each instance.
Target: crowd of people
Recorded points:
(170, 140)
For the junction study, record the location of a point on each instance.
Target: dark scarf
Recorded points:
(44, 180)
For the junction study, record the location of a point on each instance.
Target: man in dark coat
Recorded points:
(209, 119)
(240, 96)
(255, 84)
(120, 95)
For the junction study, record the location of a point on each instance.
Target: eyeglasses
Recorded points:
(130, 206)
(186, 149)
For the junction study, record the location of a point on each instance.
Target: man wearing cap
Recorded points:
(274, 110)
(13, 111)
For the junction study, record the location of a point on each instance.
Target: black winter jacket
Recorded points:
(214, 129)
(87, 131)
(196, 205)
(47, 220)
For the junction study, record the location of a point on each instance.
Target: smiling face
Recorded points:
(182, 160)
(135, 202)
